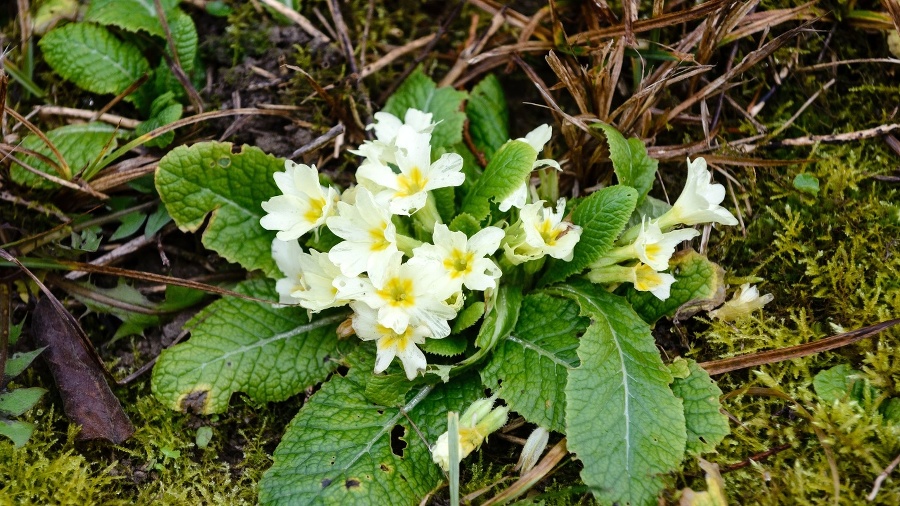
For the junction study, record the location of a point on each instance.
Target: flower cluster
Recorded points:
(403, 272)
(644, 252)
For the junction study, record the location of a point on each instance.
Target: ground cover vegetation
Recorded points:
(438, 253)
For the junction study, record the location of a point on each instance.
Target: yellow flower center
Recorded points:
(379, 242)
(390, 339)
(459, 262)
(314, 212)
(411, 183)
(548, 233)
(646, 278)
(652, 250)
(398, 292)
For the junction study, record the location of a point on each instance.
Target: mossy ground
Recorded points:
(831, 259)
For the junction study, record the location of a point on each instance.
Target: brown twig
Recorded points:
(298, 18)
(320, 140)
(85, 114)
(802, 350)
(881, 477)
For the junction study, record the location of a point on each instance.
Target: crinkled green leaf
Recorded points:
(531, 366)
(506, 172)
(420, 92)
(184, 35)
(17, 363)
(633, 166)
(445, 200)
(93, 58)
(341, 449)
(447, 347)
(207, 179)
(79, 144)
(471, 169)
(488, 116)
(20, 400)
(468, 316)
(390, 388)
(17, 431)
(239, 345)
(466, 224)
(706, 425)
(130, 15)
(622, 420)
(835, 383)
(699, 285)
(602, 217)
(163, 111)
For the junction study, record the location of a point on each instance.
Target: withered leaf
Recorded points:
(86, 395)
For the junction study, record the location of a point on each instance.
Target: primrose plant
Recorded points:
(455, 279)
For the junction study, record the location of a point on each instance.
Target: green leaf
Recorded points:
(502, 317)
(157, 220)
(93, 58)
(163, 111)
(20, 400)
(17, 363)
(78, 144)
(131, 223)
(650, 208)
(471, 169)
(133, 322)
(633, 166)
(468, 316)
(17, 431)
(208, 179)
(532, 364)
(447, 347)
(420, 92)
(130, 15)
(835, 383)
(389, 389)
(699, 285)
(239, 345)
(203, 437)
(891, 410)
(706, 425)
(184, 35)
(466, 224)
(623, 421)
(488, 116)
(807, 183)
(342, 449)
(445, 200)
(602, 217)
(504, 174)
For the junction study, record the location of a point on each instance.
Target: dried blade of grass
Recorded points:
(801, 350)
(736, 161)
(121, 96)
(751, 59)
(70, 112)
(528, 480)
(802, 108)
(820, 66)
(893, 8)
(462, 61)
(532, 46)
(575, 84)
(545, 93)
(62, 168)
(647, 97)
(645, 25)
(514, 18)
(759, 21)
(123, 250)
(343, 35)
(811, 140)
(392, 55)
(124, 172)
(50, 177)
(174, 126)
(298, 18)
(320, 141)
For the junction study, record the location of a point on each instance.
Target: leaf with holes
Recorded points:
(622, 420)
(706, 425)
(93, 58)
(210, 179)
(420, 92)
(238, 345)
(342, 449)
(79, 145)
(533, 363)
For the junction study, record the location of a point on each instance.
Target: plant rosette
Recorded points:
(452, 280)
